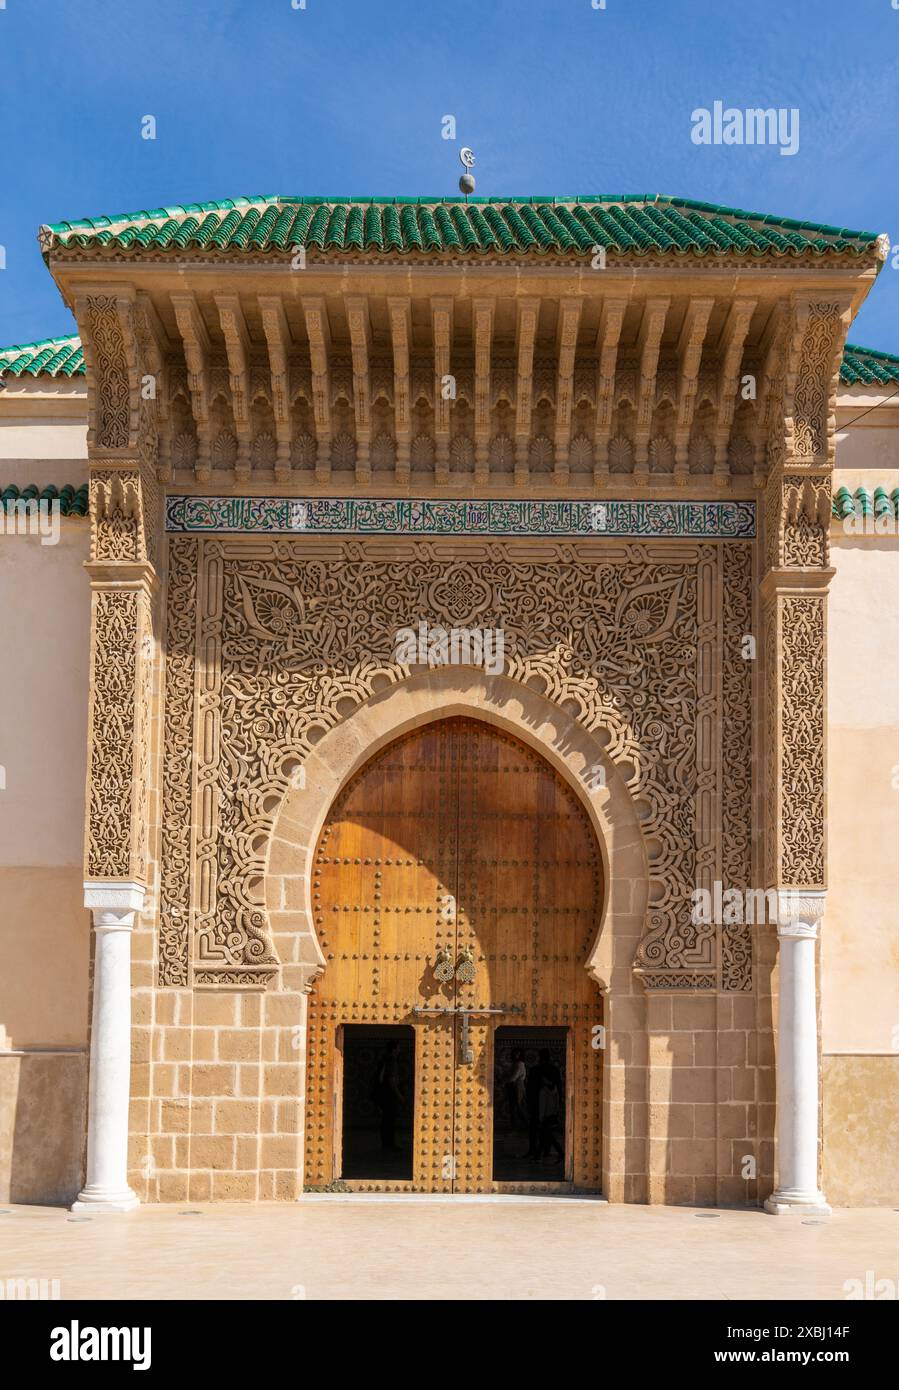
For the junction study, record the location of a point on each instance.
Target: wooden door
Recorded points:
(455, 872)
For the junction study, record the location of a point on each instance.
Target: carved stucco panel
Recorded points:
(119, 734)
(803, 733)
(291, 636)
(811, 400)
(180, 643)
(736, 770)
(110, 375)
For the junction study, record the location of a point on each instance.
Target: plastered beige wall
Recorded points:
(861, 1130)
(860, 942)
(42, 1097)
(44, 599)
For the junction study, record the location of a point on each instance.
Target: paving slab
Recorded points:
(446, 1249)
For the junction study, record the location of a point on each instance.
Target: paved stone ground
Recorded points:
(351, 1248)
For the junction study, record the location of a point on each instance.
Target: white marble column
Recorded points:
(114, 906)
(799, 918)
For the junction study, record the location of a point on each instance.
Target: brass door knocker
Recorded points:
(465, 966)
(443, 966)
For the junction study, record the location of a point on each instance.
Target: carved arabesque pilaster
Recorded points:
(124, 355)
(799, 410)
(118, 735)
(736, 770)
(181, 620)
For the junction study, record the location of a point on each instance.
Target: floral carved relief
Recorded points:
(802, 737)
(292, 636)
(125, 510)
(110, 377)
(119, 717)
(736, 772)
(181, 620)
(813, 387)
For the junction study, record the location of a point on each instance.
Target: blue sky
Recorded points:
(347, 97)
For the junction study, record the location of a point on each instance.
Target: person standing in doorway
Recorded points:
(544, 1101)
(516, 1091)
(389, 1095)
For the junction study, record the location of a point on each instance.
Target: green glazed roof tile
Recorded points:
(865, 367)
(863, 503)
(638, 224)
(72, 501)
(47, 357)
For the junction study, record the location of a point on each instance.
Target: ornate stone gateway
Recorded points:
(457, 889)
(450, 417)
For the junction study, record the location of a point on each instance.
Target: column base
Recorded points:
(788, 1201)
(102, 1199)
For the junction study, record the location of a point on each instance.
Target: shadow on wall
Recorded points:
(42, 1100)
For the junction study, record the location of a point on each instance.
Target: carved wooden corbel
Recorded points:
(528, 317)
(319, 331)
(652, 327)
(733, 339)
(196, 355)
(237, 346)
(611, 319)
(569, 323)
(277, 335)
(689, 356)
(400, 311)
(442, 327)
(482, 317)
(359, 324)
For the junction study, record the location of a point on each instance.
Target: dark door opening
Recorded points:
(530, 1109)
(378, 1101)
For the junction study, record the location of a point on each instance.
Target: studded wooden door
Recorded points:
(457, 872)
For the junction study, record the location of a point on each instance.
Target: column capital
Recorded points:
(799, 913)
(112, 902)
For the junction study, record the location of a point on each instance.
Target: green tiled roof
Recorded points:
(47, 357)
(632, 224)
(72, 501)
(865, 367)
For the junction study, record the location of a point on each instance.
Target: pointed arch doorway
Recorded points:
(453, 1039)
